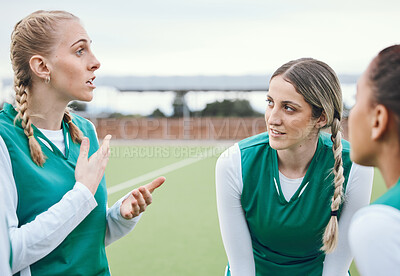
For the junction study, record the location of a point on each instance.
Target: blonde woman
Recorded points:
(55, 195)
(285, 197)
(374, 130)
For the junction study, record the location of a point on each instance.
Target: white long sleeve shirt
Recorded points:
(233, 225)
(34, 240)
(375, 240)
(4, 239)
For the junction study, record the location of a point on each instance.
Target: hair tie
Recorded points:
(70, 121)
(334, 213)
(336, 115)
(31, 136)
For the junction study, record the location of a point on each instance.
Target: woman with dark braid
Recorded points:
(285, 197)
(374, 130)
(55, 196)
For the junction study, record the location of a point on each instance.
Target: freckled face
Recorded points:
(288, 116)
(72, 63)
(360, 126)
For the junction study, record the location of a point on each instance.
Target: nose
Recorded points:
(94, 63)
(272, 116)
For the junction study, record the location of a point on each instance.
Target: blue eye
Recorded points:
(80, 52)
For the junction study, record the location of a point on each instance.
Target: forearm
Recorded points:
(34, 240)
(118, 226)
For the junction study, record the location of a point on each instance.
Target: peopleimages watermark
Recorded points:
(165, 152)
(180, 128)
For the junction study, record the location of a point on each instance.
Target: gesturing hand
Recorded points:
(90, 171)
(139, 199)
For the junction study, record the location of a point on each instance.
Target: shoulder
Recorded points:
(228, 170)
(375, 229)
(229, 158)
(81, 121)
(261, 139)
(86, 126)
(375, 224)
(327, 144)
(391, 197)
(6, 118)
(325, 138)
(8, 129)
(374, 239)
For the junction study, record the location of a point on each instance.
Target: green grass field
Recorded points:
(179, 233)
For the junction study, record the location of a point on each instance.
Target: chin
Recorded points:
(360, 160)
(87, 98)
(276, 145)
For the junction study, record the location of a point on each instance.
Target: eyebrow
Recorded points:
(287, 102)
(80, 40)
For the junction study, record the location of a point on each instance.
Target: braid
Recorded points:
(22, 105)
(75, 132)
(330, 237)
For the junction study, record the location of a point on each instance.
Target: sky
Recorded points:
(220, 37)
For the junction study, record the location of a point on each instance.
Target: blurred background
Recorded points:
(182, 80)
(223, 50)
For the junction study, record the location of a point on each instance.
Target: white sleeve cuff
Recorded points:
(117, 225)
(86, 194)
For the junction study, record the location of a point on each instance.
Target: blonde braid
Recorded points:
(74, 131)
(330, 237)
(22, 105)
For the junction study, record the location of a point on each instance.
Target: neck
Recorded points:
(388, 163)
(294, 162)
(45, 110)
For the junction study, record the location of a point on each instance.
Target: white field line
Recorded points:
(169, 168)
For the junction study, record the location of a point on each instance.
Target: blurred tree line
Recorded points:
(226, 108)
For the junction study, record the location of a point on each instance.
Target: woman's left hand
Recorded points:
(139, 199)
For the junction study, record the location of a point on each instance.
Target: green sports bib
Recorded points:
(287, 235)
(391, 197)
(83, 250)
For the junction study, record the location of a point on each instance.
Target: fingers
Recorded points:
(155, 184)
(90, 171)
(84, 150)
(135, 208)
(140, 201)
(133, 205)
(146, 195)
(105, 146)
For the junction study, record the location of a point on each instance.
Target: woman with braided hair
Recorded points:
(374, 130)
(53, 177)
(285, 197)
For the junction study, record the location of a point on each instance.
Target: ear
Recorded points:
(322, 120)
(379, 121)
(39, 67)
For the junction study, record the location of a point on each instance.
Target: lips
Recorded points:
(90, 82)
(276, 132)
